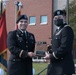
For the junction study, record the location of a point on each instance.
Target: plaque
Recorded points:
(40, 53)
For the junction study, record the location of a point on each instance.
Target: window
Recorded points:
(41, 42)
(32, 20)
(43, 19)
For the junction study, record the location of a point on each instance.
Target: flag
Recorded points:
(18, 14)
(3, 41)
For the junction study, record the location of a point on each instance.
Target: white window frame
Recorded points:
(43, 23)
(32, 23)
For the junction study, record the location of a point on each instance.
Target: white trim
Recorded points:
(20, 53)
(61, 30)
(54, 55)
(43, 23)
(32, 24)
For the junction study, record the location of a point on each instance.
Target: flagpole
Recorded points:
(20, 5)
(4, 4)
(17, 12)
(16, 9)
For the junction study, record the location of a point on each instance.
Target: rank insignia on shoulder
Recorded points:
(17, 35)
(31, 37)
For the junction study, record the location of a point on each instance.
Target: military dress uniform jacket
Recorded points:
(61, 57)
(16, 42)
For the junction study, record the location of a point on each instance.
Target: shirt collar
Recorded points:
(58, 27)
(23, 31)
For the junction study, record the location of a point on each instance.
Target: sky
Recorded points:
(62, 4)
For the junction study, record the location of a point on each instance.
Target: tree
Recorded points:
(72, 22)
(72, 17)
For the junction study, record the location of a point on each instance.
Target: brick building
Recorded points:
(39, 13)
(33, 9)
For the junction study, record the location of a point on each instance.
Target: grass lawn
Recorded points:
(39, 67)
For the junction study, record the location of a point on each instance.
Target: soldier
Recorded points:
(61, 59)
(21, 44)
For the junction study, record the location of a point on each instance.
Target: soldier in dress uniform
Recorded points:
(21, 45)
(61, 59)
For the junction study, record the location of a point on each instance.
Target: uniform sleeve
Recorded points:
(11, 43)
(33, 47)
(66, 44)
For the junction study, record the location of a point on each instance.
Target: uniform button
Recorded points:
(26, 46)
(21, 34)
(13, 59)
(26, 42)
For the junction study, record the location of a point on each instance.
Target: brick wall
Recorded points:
(32, 8)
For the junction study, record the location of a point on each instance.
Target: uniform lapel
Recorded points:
(19, 32)
(22, 35)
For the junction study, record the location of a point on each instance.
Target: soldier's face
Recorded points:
(59, 20)
(22, 24)
(60, 17)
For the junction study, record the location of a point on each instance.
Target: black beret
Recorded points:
(21, 17)
(60, 12)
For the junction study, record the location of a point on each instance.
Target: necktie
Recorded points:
(24, 36)
(57, 30)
